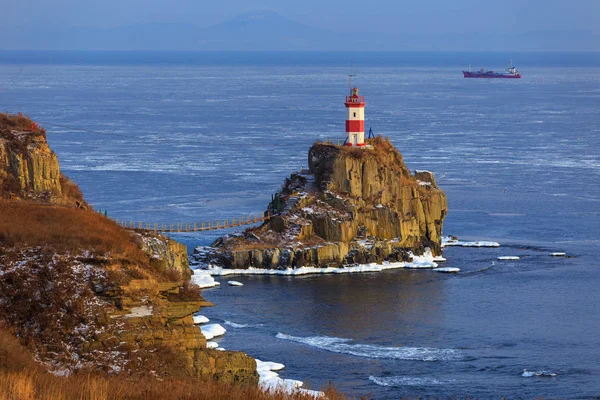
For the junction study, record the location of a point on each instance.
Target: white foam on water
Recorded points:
(233, 324)
(212, 330)
(395, 381)
(347, 346)
(539, 373)
(506, 258)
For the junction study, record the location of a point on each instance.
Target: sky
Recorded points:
(385, 16)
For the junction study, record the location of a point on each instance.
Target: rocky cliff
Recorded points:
(85, 294)
(351, 206)
(28, 168)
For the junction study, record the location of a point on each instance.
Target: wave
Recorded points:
(540, 373)
(347, 346)
(393, 381)
(234, 325)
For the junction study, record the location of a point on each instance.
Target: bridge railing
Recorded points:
(195, 226)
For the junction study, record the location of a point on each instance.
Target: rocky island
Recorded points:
(352, 206)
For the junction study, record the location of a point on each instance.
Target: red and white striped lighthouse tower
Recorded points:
(355, 122)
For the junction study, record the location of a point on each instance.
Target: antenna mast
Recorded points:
(351, 82)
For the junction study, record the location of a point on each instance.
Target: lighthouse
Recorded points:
(355, 121)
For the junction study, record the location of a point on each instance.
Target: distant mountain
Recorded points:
(267, 30)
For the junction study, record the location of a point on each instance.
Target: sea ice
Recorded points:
(203, 279)
(200, 319)
(212, 330)
(558, 254)
(235, 283)
(424, 261)
(212, 345)
(269, 380)
(505, 258)
(447, 269)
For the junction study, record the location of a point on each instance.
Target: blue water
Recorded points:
(184, 137)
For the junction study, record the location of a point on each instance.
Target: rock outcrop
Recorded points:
(29, 163)
(351, 206)
(28, 168)
(92, 296)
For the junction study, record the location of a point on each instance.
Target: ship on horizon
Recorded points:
(510, 72)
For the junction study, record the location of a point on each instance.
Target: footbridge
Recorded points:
(195, 226)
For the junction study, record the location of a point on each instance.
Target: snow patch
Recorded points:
(139, 312)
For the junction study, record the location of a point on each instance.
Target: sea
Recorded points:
(177, 137)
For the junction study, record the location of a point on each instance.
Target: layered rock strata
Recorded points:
(351, 206)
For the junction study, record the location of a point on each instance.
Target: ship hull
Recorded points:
(484, 75)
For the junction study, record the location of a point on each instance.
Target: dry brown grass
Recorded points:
(71, 191)
(18, 122)
(22, 379)
(64, 229)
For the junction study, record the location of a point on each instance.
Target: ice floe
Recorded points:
(394, 381)
(449, 241)
(212, 345)
(506, 258)
(203, 279)
(235, 283)
(347, 346)
(558, 254)
(200, 319)
(447, 270)
(541, 373)
(269, 380)
(212, 330)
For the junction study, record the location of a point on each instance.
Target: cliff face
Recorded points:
(29, 167)
(85, 294)
(93, 314)
(351, 206)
